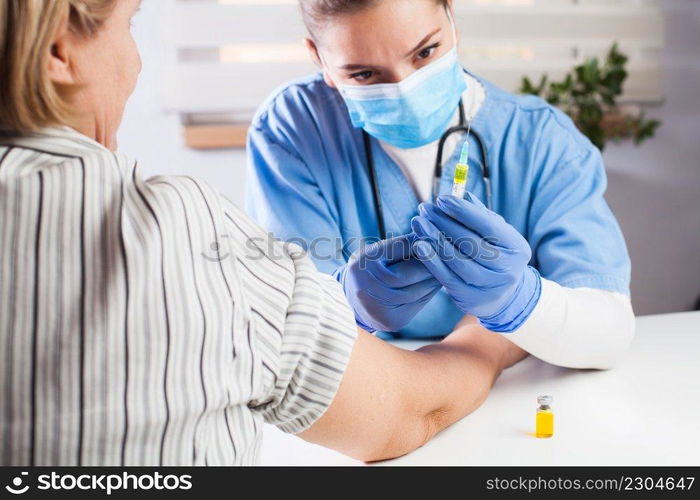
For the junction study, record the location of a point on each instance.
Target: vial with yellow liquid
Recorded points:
(544, 421)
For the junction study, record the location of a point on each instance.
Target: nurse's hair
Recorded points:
(28, 98)
(317, 12)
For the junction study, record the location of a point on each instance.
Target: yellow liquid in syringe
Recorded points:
(459, 184)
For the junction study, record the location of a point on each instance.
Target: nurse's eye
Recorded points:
(362, 75)
(427, 51)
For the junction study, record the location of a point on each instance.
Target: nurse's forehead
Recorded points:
(352, 59)
(388, 29)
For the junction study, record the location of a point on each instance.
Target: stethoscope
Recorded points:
(462, 127)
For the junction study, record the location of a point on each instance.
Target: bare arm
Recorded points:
(392, 401)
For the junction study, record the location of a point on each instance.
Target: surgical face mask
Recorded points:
(413, 112)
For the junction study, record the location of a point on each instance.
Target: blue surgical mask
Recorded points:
(414, 112)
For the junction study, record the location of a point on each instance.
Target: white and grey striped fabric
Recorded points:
(149, 322)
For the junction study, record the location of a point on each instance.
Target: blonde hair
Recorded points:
(28, 98)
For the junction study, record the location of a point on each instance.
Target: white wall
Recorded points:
(654, 190)
(155, 138)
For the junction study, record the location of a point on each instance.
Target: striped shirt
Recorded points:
(150, 322)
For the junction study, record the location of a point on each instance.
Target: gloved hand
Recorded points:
(386, 285)
(481, 260)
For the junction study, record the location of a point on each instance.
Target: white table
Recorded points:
(644, 412)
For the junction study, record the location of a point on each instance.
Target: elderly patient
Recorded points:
(140, 324)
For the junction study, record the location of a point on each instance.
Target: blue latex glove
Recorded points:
(481, 260)
(386, 285)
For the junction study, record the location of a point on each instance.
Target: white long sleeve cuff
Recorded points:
(577, 327)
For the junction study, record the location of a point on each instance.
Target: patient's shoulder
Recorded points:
(194, 196)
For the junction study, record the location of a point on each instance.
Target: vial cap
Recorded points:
(544, 400)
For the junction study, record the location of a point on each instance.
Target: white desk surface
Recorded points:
(644, 412)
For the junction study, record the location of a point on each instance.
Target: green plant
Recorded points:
(589, 93)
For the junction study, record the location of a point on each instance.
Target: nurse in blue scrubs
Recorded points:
(348, 156)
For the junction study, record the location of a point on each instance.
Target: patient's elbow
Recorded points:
(414, 433)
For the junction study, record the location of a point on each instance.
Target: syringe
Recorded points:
(459, 184)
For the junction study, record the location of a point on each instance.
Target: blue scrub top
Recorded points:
(308, 182)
